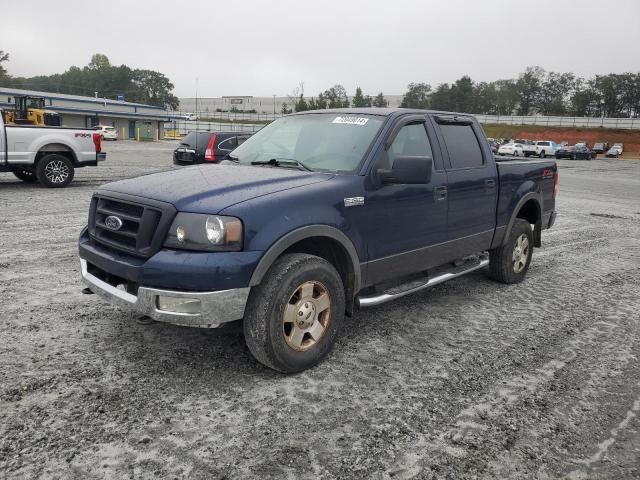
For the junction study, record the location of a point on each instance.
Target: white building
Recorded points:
(129, 119)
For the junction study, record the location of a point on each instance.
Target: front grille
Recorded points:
(143, 225)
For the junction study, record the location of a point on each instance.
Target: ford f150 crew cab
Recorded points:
(48, 155)
(317, 214)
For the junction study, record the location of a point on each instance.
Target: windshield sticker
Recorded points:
(351, 120)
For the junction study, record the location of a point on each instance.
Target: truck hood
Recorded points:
(212, 188)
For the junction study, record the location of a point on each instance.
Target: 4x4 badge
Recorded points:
(353, 201)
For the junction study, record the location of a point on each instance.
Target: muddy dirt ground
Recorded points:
(472, 379)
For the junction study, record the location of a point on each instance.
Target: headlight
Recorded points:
(213, 233)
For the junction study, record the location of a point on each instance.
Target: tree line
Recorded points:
(334, 97)
(110, 81)
(535, 91)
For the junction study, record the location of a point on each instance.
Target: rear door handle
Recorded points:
(440, 193)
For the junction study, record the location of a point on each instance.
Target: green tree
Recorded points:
(154, 88)
(380, 101)
(554, 93)
(463, 95)
(4, 57)
(529, 85)
(301, 105)
(359, 100)
(321, 103)
(285, 110)
(417, 96)
(441, 98)
(336, 97)
(99, 61)
(312, 104)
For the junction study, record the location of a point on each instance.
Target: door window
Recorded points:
(462, 144)
(411, 141)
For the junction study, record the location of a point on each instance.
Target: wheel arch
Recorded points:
(323, 241)
(528, 208)
(56, 148)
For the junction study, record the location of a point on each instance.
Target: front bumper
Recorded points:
(208, 309)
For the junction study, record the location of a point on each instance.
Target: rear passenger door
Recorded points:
(472, 186)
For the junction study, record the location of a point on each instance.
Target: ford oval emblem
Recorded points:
(113, 223)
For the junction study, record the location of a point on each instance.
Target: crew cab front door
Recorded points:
(401, 221)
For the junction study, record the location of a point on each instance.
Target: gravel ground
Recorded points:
(472, 379)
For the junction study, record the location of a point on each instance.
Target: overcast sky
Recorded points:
(265, 47)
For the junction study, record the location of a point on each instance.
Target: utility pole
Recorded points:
(274, 103)
(196, 112)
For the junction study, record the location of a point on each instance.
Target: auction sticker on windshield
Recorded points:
(351, 120)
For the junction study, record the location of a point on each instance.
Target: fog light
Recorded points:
(179, 305)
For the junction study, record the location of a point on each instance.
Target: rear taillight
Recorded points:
(97, 141)
(208, 153)
(555, 184)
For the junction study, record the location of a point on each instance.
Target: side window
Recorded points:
(227, 145)
(412, 140)
(462, 144)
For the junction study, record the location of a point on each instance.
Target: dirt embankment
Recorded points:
(630, 138)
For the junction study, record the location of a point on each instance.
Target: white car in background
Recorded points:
(107, 132)
(514, 149)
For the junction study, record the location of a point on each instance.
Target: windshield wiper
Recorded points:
(228, 156)
(283, 162)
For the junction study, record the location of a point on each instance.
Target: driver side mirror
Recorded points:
(408, 170)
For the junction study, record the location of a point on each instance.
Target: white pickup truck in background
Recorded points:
(541, 148)
(48, 155)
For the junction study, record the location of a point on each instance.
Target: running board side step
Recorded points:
(374, 300)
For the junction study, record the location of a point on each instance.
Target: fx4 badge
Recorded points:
(353, 201)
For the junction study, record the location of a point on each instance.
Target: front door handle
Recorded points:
(440, 193)
(490, 184)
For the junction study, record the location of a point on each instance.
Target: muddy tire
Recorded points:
(293, 317)
(510, 262)
(27, 175)
(54, 171)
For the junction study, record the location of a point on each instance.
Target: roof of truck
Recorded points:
(387, 111)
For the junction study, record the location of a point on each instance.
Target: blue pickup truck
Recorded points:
(316, 215)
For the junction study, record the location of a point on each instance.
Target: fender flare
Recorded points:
(525, 198)
(284, 242)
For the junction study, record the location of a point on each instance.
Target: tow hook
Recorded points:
(87, 291)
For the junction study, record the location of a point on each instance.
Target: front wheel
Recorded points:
(294, 316)
(543, 154)
(516, 154)
(27, 175)
(54, 171)
(510, 262)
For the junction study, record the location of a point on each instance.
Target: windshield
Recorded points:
(325, 141)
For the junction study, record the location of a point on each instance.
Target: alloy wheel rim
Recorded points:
(56, 171)
(520, 253)
(306, 316)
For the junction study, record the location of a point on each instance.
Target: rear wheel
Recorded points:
(54, 171)
(510, 262)
(294, 316)
(515, 153)
(27, 175)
